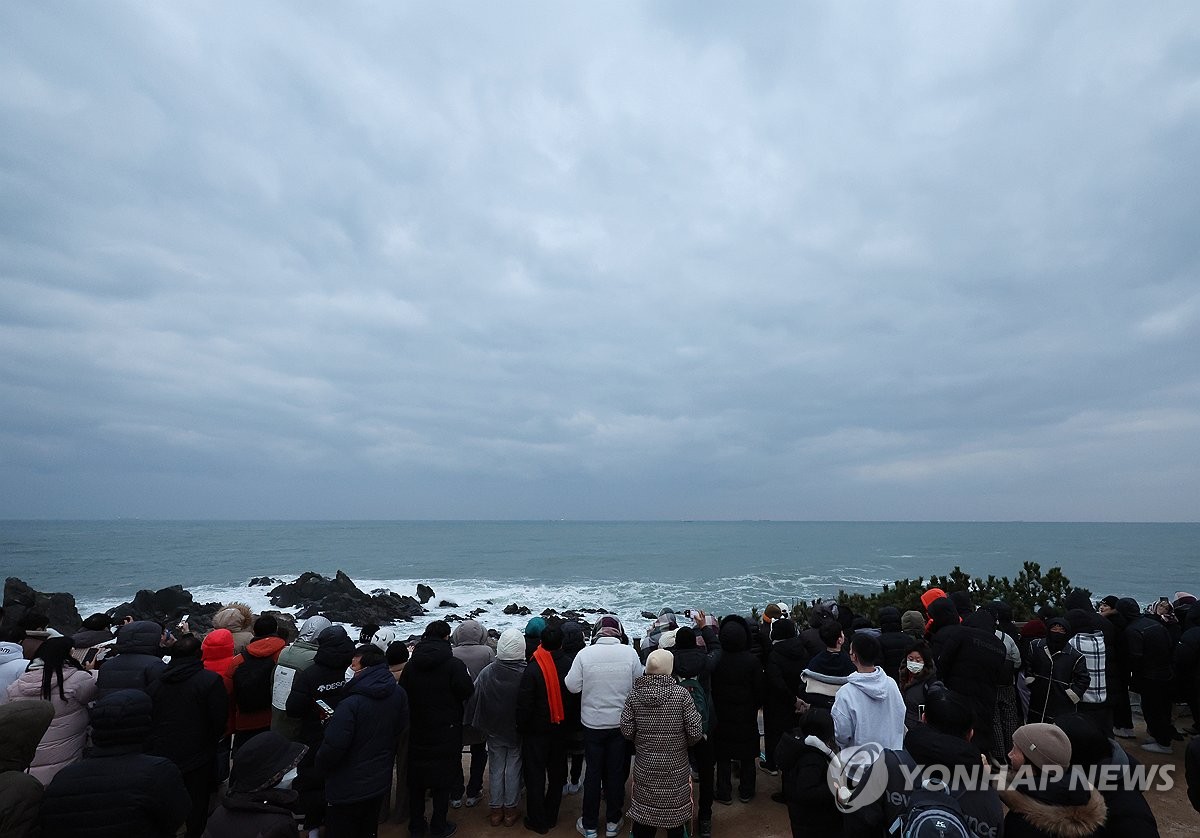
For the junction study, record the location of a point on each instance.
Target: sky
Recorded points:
(819, 261)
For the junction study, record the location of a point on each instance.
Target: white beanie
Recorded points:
(660, 662)
(666, 640)
(511, 646)
(382, 639)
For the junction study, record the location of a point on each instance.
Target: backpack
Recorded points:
(252, 684)
(932, 814)
(696, 691)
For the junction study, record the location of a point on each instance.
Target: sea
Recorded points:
(626, 567)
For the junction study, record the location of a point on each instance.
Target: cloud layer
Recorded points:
(910, 261)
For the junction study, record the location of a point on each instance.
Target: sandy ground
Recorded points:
(764, 819)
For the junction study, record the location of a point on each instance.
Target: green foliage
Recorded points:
(1030, 590)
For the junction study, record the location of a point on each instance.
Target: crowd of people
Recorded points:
(141, 729)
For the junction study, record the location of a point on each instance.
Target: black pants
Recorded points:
(1118, 700)
(200, 784)
(701, 756)
(607, 756)
(417, 787)
(544, 762)
(745, 753)
(1156, 708)
(353, 820)
(776, 722)
(640, 830)
(1100, 714)
(474, 784)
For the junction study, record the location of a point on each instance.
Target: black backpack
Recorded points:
(932, 814)
(252, 684)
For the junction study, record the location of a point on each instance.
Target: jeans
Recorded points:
(607, 757)
(505, 760)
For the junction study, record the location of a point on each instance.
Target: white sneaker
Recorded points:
(470, 801)
(612, 830)
(1124, 732)
(572, 788)
(456, 803)
(1155, 748)
(586, 833)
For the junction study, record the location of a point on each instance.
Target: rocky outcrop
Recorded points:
(515, 610)
(341, 601)
(262, 581)
(60, 608)
(424, 593)
(168, 606)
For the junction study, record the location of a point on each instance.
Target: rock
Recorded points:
(489, 602)
(517, 610)
(59, 607)
(258, 581)
(168, 606)
(445, 603)
(340, 600)
(549, 612)
(424, 593)
(649, 615)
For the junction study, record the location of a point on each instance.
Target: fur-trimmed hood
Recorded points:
(1058, 820)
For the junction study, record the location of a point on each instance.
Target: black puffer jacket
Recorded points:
(972, 664)
(944, 625)
(117, 791)
(1151, 650)
(191, 709)
(788, 659)
(325, 679)
(437, 684)
(895, 643)
(737, 686)
(261, 815)
(138, 660)
(359, 750)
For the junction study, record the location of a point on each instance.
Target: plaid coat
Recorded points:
(1091, 646)
(661, 718)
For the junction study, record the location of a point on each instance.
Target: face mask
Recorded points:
(915, 667)
(1056, 641)
(286, 782)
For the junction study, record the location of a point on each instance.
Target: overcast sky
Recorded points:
(606, 260)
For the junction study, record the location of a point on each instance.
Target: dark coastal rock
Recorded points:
(649, 615)
(340, 600)
(259, 581)
(424, 593)
(549, 612)
(594, 611)
(60, 608)
(517, 610)
(168, 606)
(445, 603)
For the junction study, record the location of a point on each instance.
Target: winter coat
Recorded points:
(805, 784)
(1058, 812)
(1129, 815)
(263, 647)
(324, 680)
(359, 750)
(190, 712)
(64, 741)
(1151, 650)
(22, 725)
(835, 665)
(264, 814)
(12, 666)
(533, 705)
(916, 694)
(1057, 680)
(293, 660)
(116, 791)
(492, 708)
(944, 624)
(895, 643)
(738, 686)
(138, 660)
(869, 709)
(974, 663)
(238, 620)
(788, 659)
(437, 684)
(469, 645)
(603, 674)
(661, 719)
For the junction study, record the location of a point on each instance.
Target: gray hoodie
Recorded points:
(869, 708)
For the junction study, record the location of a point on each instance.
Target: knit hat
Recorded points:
(535, 627)
(685, 638)
(1078, 598)
(262, 762)
(782, 629)
(382, 639)
(511, 646)
(311, 627)
(660, 662)
(1111, 602)
(1043, 744)
(666, 640)
(912, 622)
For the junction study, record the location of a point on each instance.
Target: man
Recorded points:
(359, 749)
(1117, 676)
(541, 714)
(603, 674)
(738, 688)
(1151, 653)
(1056, 673)
(694, 662)
(117, 790)
(248, 681)
(22, 726)
(437, 684)
(869, 708)
(293, 660)
(138, 661)
(974, 664)
(191, 709)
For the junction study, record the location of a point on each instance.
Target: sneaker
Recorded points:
(573, 788)
(448, 830)
(705, 829)
(528, 824)
(774, 772)
(470, 801)
(745, 798)
(724, 801)
(586, 833)
(1155, 748)
(1124, 732)
(612, 830)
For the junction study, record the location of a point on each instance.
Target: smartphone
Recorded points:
(324, 708)
(921, 711)
(183, 620)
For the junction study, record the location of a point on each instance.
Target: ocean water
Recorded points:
(626, 567)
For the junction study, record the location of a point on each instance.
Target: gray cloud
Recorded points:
(915, 261)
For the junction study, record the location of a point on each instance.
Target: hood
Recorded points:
(139, 637)
(943, 613)
(962, 602)
(874, 685)
(1128, 608)
(793, 649)
(263, 761)
(429, 655)
(889, 618)
(22, 725)
(931, 596)
(651, 691)
(511, 646)
(1059, 621)
(375, 682)
(334, 648)
(468, 633)
(122, 718)
(1002, 610)
(689, 663)
(981, 619)
(312, 627)
(932, 747)
(217, 645)
(1078, 598)
(236, 616)
(181, 669)
(913, 622)
(734, 634)
(1064, 820)
(265, 647)
(782, 629)
(1084, 621)
(11, 652)
(573, 638)
(822, 613)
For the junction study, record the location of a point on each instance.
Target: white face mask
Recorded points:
(915, 667)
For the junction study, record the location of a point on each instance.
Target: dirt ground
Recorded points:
(764, 819)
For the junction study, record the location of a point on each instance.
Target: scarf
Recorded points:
(553, 690)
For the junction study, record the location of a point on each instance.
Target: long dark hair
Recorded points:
(53, 653)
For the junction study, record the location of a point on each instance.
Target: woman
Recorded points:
(811, 807)
(492, 709)
(54, 676)
(918, 674)
(1042, 806)
(661, 719)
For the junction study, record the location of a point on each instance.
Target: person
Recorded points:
(216, 651)
(1056, 673)
(359, 747)
(1186, 665)
(1008, 712)
(248, 681)
(323, 681)
(533, 635)
(540, 717)
(944, 624)
(1087, 638)
(822, 613)
(492, 709)
(22, 725)
(437, 684)
(117, 790)
(37, 630)
(917, 677)
(397, 655)
(695, 663)
(237, 619)
(295, 658)
(1163, 612)
(603, 674)
(805, 787)
(869, 708)
(395, 805)
(1120, 667)
(1049, 808)
(12, 658)
(574, 642)
(256, 805)
(54, 676)
(738, 686)
(912, 623)
(469, 645)
(974, 663)
(1129, 815)
(894, 642)
(827, 671)
(190, 712)
(785, 663)
(93, 641)
(661, 720)
(138, 659)
(1151, 660)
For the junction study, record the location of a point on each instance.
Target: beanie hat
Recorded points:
(535, 627)
(660, 662)
(911, 622)
(262, 762)
(685, 638)
(1078, 598)
(782, 629)
(382, 639)
(666, 640)
(1043, 744)
(511, 646)
(1111, 602)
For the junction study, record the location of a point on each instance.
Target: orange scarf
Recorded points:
(553, 689)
